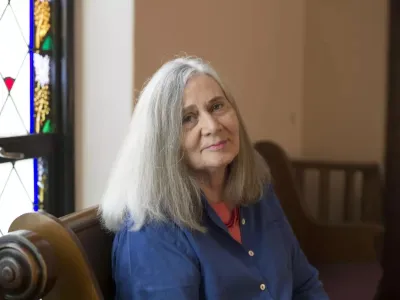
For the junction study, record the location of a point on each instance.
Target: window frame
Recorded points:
(57, 147)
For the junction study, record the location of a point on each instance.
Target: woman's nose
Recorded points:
(209, 124)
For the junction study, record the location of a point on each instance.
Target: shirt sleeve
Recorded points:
(162, 265)
(306, 283)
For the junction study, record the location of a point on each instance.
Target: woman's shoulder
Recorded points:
(151, 234)
(270, 205)
(142, 260)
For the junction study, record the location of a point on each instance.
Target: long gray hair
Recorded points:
(150, 180)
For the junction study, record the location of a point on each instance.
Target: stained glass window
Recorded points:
(25, 100)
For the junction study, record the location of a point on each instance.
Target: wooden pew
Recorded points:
(323, 242)
(347, 255)
(369, 206)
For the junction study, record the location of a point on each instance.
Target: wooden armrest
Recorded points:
(341, 243)
(43, 258)
(28, 265)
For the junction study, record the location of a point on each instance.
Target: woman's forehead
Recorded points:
(201, 88)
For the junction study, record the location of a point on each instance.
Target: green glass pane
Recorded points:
(47, 44)
(47, 128)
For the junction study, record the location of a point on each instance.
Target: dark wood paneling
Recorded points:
(390, 288)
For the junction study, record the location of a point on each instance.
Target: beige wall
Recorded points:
(290, 64)
(307, 74)
(103, 91)
(344, 98)
(257, 47)
(345, 79)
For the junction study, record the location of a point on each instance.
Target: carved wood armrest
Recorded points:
(341, 243)
(27, 266)
(42, 258)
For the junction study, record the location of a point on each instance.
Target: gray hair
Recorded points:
(150, 180)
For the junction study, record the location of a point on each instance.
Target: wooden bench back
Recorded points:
(321, 241)
(357, 189)
(97, 244)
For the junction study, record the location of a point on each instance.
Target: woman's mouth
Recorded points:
(217, 146)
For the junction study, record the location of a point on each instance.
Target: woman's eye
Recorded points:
(188, 119)
(217, 106)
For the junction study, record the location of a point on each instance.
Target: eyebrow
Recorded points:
(212, 100)
(216, 98)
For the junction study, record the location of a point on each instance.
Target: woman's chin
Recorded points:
(220, 163)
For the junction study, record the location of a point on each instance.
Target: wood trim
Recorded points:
(334, 165)
(62, 162)
(82, 219)
(35, 145)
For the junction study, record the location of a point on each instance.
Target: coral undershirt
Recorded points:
(230, 218)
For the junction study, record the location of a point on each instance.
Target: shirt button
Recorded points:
(262, 287)
(243, 221)
(251, 253)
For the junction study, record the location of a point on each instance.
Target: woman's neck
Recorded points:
(212, 185)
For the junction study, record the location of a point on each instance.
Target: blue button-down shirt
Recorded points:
(164, 261)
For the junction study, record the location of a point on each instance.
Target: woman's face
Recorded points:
(210, 126)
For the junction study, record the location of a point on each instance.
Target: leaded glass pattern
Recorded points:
(17, 192)
(26, 46)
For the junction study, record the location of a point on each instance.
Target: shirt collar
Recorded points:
(210, 214)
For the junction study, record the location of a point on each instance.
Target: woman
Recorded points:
(191, 203)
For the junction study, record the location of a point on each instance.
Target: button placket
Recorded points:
(243, 229)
